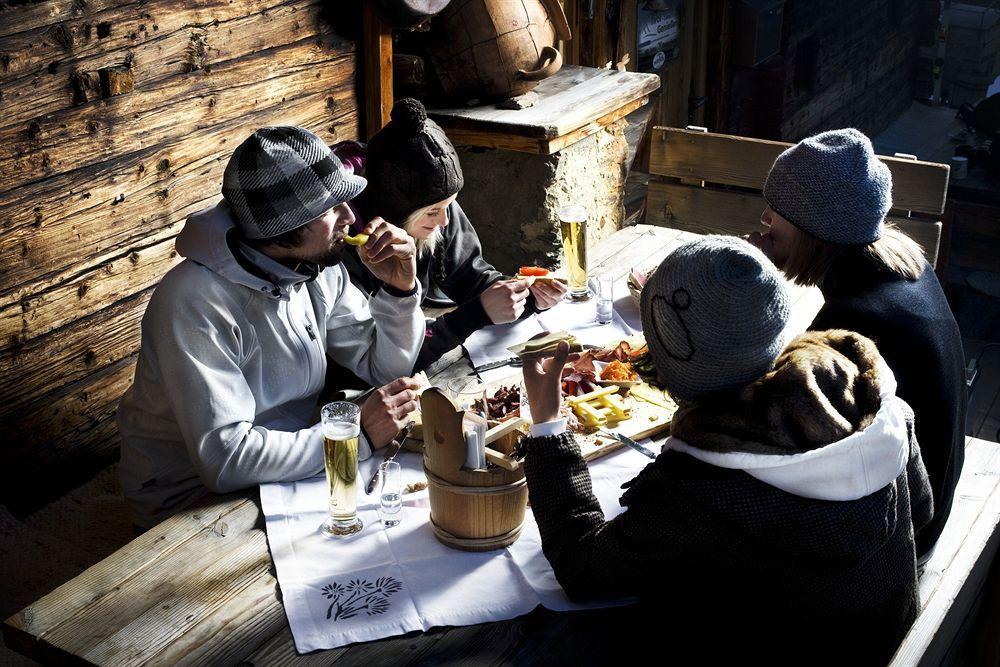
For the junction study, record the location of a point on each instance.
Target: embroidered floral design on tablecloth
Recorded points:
(360, 595)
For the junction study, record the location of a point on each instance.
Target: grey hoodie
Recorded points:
(232, 365)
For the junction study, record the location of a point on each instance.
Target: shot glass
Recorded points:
(605, 285)
(390, 504)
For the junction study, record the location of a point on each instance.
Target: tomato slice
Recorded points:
(533, 271)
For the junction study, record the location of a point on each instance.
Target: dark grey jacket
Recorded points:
(912, 324)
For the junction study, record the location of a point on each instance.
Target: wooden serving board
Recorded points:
(646, 421)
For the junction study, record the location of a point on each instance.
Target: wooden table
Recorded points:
(200, 588)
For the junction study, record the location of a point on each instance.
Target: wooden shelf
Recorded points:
(573, 104)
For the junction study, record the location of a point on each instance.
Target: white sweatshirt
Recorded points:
(231, 367)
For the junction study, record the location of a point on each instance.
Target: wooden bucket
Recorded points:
(472, 510)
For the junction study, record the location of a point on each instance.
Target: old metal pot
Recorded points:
(490, 50)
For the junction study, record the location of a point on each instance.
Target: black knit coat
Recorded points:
(730, 567)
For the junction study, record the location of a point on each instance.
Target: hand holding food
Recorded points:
(548, 293)
(390, 254)
(763, 242)
(543, 381)
(503, 301)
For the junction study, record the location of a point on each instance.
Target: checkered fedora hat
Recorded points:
(280, 178)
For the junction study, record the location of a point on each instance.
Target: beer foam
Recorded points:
(341, 430)
(572, 213)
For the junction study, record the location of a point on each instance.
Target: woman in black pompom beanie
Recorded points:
(414, 177)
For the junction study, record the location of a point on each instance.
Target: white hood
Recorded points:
(848, 469)
(204, 240)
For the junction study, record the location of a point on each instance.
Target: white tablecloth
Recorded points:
(389, 581)
(491, 343)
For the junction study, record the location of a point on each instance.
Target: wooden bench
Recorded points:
(711, 183)
(957, 570)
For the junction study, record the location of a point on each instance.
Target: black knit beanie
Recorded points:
(411, 164)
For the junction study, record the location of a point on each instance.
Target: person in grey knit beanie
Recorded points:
(832, 186)
(713, 314)
(827, 201)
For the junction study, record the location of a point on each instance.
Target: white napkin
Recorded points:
(580, 319)
(490, 343)
(389, 581)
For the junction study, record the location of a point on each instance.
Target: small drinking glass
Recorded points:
(466, 394)
(390, 504)
(605, 284)
(341, 431)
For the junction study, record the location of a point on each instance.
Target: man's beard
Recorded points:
(331, 257)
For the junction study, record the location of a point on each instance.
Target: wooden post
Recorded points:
(571, 49)
(699, 66)
(378, 71)
(719, 50)
(628, 34)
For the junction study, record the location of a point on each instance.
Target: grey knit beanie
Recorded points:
(832, 186)
(411, 164)
(280, 178)
(713, 315)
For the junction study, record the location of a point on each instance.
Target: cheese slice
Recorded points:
(547, 343)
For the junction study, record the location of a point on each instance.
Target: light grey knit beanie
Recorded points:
(713, 315)
(832, 186)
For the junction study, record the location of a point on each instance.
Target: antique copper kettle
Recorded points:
(490, 50)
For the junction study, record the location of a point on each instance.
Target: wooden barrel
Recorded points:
(472, 510)
(490, 50)
(480, 517)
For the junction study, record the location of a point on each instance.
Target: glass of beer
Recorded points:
(573, 224)
(341, 431)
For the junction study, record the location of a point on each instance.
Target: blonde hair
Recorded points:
(895, 253)
(424, 246)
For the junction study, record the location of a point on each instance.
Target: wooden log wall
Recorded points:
(116, 122)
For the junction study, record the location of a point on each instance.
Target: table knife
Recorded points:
(512, 361)
(631, 443)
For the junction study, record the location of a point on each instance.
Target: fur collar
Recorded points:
(823, 387)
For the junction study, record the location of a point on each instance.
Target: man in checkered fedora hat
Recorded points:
(236, 337)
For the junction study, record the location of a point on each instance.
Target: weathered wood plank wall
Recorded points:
(116, 121)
